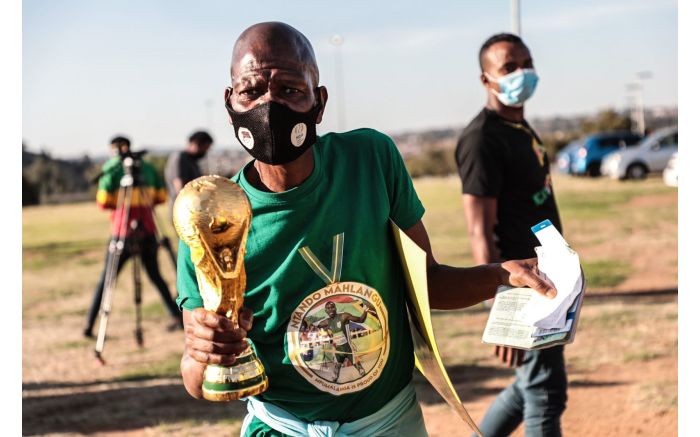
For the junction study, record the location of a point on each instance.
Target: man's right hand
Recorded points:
(212, 339)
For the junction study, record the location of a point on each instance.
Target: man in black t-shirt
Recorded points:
(183, 166)
(507, 189)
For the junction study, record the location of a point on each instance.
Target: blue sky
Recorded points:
(156, 70)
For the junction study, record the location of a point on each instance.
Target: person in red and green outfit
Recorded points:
(138, 230)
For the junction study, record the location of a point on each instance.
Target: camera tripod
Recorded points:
(128, 238)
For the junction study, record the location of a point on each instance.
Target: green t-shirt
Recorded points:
(358, 184)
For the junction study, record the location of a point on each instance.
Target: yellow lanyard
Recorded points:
(328, 276)
(536, 146)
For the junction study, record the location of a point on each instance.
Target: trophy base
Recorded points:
(246, 377)
(234, 395)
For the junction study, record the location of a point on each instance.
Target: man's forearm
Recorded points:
(455, 288)
(466, 287)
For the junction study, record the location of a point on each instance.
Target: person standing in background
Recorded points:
(183, 166)
(139, 233)
(507, 188)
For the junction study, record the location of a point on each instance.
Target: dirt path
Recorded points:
(609, 395)
(607, 402)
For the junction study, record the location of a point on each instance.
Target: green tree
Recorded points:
(433, 161)
(606, 120)
(30, 192)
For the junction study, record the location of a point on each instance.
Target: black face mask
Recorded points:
(274, 134)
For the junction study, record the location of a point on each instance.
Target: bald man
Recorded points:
(304, 244)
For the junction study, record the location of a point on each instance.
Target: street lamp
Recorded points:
(630, 102)
(633, 103)
(337, 41)
(638, 88)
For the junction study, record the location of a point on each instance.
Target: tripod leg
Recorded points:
(137, 299)
(116, 248)
(115, 251)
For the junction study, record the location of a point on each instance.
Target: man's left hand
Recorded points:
(524, 273)
(510, 356)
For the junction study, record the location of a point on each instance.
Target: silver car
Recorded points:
(671, 171)
(650, 156)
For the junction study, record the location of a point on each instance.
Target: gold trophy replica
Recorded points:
(212, 216)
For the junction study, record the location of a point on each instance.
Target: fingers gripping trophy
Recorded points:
(212, 216)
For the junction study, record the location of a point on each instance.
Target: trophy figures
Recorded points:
(212, 216)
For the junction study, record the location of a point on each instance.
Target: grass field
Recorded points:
(616, 227)
(622, 367)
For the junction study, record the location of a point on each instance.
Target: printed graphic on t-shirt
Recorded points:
(539, 151)
(337, 338)
(541, 196)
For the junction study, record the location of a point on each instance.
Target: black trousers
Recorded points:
(148, 250)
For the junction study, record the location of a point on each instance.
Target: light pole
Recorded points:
(337, 41)
(642, 75)
(630, 102)
(515, 17)
(633, 104)
(637, 88)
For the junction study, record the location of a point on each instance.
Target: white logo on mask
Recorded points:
(246, 138)
(298, 134)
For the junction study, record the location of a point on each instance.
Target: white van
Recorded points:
(650, 156)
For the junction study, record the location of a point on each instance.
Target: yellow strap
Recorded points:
(536, 146)
(318, 267)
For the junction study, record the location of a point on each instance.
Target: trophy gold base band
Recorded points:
(246, 377)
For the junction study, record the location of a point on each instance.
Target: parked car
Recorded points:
(650, 156)
(671, 171)
(589, 155)
(565, 157)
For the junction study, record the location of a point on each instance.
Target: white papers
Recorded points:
(548, 235)
(560, 265)
(505, 325)
(523, 318)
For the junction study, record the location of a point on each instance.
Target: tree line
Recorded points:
(429, 153)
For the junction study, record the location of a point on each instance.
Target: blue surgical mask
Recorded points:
(515, 87)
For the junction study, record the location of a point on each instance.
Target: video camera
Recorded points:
(131, 162)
